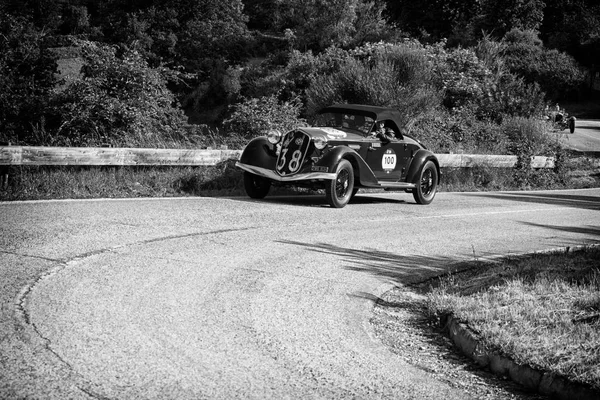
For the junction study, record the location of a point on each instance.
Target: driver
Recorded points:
(382, 132)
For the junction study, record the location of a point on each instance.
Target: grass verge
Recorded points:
(542, 310)
(224, 179)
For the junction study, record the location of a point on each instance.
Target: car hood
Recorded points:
(332, 133)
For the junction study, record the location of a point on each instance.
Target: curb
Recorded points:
(546, 383)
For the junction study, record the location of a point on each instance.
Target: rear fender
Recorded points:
(419, 159)
(260, 153)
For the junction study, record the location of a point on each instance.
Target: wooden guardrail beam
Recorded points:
(492, 161)
(34, 155)
(37, 155)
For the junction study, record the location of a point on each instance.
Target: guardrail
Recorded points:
(107, 156)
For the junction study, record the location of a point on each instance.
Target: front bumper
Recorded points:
(267, 173)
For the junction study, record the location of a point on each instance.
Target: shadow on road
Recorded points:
(401, 269)
(589, 230)
(311, 200)
(568, 200)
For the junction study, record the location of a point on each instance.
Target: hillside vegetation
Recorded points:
(470, 76)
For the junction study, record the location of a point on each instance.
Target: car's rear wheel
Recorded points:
(256, 186)
(427, 184)
(339, 190)
(571, 125)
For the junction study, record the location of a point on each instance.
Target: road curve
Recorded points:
(585, 139)
(230, 298)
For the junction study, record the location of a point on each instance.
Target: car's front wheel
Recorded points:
(339, 190)
(256, 186)
(427, 184)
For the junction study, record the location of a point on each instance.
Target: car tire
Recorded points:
(339, 190)
(571, 125)
(427, 184)
(256, 186)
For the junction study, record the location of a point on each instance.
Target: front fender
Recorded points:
(260, 153)
(330, 160)
(419, 159)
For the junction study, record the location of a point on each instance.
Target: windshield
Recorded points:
(358, 123)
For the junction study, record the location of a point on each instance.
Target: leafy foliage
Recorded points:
(120, 101)
(500, 16)
(26, 79)
(256, 116)
(394, 76)
(146, 60)
(557, 73)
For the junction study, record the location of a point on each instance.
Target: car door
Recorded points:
(388, 161)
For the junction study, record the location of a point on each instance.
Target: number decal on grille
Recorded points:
(292, 153)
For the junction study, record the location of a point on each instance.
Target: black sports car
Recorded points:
(355, 146)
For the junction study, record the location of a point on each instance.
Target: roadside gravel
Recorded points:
(401, 322)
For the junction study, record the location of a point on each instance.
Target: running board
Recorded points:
(397, 185)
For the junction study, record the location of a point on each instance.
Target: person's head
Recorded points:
(380, 124)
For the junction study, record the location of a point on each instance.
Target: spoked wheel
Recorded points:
(339, 190)
(427, 184)
(256, 186)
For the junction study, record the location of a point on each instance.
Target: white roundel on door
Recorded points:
(388, 161)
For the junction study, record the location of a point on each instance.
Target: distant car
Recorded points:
(560, 119)
(342, 155)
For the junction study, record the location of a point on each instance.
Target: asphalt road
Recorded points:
(586, 137)
(231, 298)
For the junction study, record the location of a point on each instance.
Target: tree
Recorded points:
(318, 24)
(26, 80)
(498, 17)
(433, 20)
(573, 26)
(212, 29)
(556, 72)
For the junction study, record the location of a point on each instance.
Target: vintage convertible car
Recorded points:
(342, 155)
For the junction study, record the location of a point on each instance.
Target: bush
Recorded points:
(396, 76)
(557, 73)
(26, 81)
(529, 137)
(120, 101)
(483, 85)
(290, 77)
(450, 131)
(255, 117)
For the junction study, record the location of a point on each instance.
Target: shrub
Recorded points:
(449, 131)
(256, 116)
(119, 101)
(529, 137)
(289, 78)
(557, 73)
(510, 96)
(395, 76)
(483, 85)
(26, 81)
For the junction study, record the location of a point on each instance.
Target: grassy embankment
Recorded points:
(542, 310)
(33, 183)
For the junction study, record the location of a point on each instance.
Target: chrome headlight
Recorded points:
(274, 136)
(320, 142)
